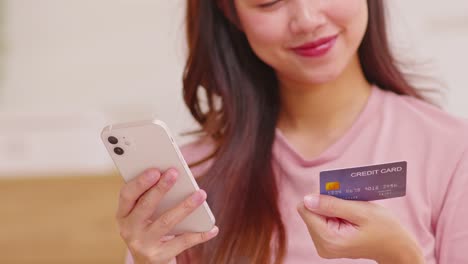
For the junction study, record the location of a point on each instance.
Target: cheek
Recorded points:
(345, 12)
(261, 30)
(262, 36)
(352, 17)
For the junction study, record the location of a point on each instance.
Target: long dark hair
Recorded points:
(234, 97)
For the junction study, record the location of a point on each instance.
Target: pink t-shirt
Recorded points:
(390, 128)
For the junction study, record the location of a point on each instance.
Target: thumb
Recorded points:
(355, 212)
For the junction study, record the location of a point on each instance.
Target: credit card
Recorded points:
(366, 183)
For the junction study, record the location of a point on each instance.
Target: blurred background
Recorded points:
(70, 67)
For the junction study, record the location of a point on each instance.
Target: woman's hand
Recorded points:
(145, 236)
(354, 229)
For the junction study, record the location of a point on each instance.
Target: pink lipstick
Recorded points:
(317, 48)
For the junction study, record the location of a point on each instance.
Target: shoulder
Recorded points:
(435, 142)
(196, 151)
(422, 119)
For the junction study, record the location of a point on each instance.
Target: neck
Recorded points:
(321, 108)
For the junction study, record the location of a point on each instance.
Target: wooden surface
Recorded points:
(60, 220)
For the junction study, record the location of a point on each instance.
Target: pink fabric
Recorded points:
(390, 128)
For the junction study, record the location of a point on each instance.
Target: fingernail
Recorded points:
(198, 197)
(214, 231)
(171, 176)
(311, 201)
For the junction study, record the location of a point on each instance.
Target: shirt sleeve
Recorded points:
(129, 259)
(452, 226)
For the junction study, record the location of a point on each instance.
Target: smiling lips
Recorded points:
(317, 48)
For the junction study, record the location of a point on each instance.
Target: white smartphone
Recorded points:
(137, 146)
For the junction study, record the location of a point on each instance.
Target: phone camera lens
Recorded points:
(113, 140)
(118, 151)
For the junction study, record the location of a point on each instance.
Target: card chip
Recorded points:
(332, 186)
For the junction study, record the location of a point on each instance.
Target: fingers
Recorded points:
(319, 232)
(169, 219)
(355, 212)
(315, 223)
(166, 238)
(173, 247)
(148, 202)
(133, 189)
(147, 240)
(188, 240)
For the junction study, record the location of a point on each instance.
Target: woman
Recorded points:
(293, 88)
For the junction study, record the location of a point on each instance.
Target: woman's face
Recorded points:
(307, 41)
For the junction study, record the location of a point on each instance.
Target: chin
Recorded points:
(314, 76)
(321, 77)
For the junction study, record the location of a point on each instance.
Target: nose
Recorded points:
(307, 16)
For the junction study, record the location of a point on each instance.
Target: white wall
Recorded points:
(118, 56)
(437, 32)
(73, 66)
(123, 60)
